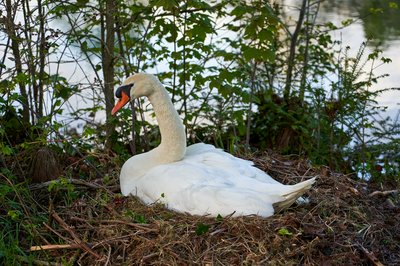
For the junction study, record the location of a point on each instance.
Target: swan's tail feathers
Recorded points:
(296, 191)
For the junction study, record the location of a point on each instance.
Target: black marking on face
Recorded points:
(124, 88)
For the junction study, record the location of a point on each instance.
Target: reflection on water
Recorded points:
(380, 18)
(376, 19)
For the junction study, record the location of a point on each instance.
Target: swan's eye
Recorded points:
(124, 88)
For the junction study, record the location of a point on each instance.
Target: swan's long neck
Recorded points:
(173, 136)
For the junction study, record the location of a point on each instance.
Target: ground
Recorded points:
(341, 224)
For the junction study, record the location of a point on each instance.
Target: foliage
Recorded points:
(18, 224)
(238, 75)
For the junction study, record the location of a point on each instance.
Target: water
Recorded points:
(378, 20)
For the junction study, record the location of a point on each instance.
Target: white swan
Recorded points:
(198, 179)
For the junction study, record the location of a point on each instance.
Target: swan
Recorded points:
(199, 179)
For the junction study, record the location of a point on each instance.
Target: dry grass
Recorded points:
(341, 225)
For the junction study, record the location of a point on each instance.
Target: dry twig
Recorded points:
(52, 247)
(384, 193)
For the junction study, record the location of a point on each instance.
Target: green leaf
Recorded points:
(284, 232)
(239, 11)
(386, 60)
(219, 218)
(5, 149)
(268, 55)
(393, 5)
(84, 46)
(250, 53)
(227, 75)
(22, 77)
(57, 78)
(129, 213)
(5, 86)
(199, 33)
(88, 131)
(215, 83)
(266, 35)
(53, 184)
(202, 229)
(376, 10)
(167, 4)
(139, 218)
(63, 92)
(14, 214)
(347, 22)
(4, 190)
(82, 3)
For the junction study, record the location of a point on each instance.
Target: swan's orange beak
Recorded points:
(121, 103)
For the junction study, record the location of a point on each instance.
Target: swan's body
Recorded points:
(199, 179)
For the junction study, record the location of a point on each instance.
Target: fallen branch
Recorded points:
(71, 180)
(77, 240)
(52, 247)
(383, 193)
(76, 182)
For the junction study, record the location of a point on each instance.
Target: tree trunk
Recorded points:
(308, 32)
(249, 112)
(42, 57)
(108, 31)
(10, 28)
(31, 62)
(292, 52)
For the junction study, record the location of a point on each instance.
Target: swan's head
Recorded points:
(135, 86)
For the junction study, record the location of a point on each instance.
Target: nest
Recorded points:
(342, 224)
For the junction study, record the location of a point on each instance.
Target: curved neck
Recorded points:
(173, 135)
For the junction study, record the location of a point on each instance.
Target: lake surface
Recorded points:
(378, 20)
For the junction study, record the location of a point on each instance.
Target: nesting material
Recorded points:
(340, 225)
